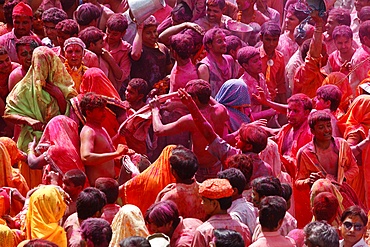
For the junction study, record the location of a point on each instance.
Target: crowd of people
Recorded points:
(223, 123)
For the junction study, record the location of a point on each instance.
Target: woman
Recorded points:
(128, 222)
(37, 98)
(46, 208)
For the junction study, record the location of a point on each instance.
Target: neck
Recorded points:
(217, 57)
(348, 55)
(137, 105)
(93, 123)
(182, 62)
(254, 75)
(322, 144)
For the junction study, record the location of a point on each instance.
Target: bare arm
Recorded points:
(89, 157)
(57, 94)
(18, 119)
(261, 98)
(115, 68)
(202, 124)
(203, 72)
(165, 36)
(316, 42)
(137, 45)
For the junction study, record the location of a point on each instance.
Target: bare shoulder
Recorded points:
(87, 131)
(219, 110)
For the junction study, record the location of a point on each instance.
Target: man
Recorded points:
(215, 114)
(217, 67)
(320, 234)
(97, 150)
(24, 47)
(22, 23)
(247, 12)
(50, 18)
(217, 198)
(324, 157)
(214, 16)
(6, 67)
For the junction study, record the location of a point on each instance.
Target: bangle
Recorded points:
(358, 149)
(30, 151)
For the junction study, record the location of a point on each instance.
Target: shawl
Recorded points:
(10, 177)
(76, 74)
(128, 222)
(149, 183)
(232, 94)
(6, 237)
(62, 133)
(46, 208)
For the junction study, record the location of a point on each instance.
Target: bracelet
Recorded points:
(30, 151)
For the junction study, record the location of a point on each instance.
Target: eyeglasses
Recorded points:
(349, 225)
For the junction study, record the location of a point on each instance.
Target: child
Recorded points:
(120, 65)
(109, 187)
(73, 183)
(271, 215)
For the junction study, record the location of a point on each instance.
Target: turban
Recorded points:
(216, 188)
(74, 41)
(22, 9)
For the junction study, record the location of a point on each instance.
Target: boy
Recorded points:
(271, 215)
(119, 49)
(73, 183)
(50, 18)
(214, 17)
(320, 159)
(273, 66)
(148, 53)
(109, 187)
(217, 198)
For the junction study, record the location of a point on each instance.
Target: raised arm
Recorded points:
(200, 122)
(137, 45)
(316, 42)
(165, 36)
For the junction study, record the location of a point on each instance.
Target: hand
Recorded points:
(53, 90)
(260, 122)
(155, 103)
(17, 195)
(32, 145)
(261, 96)
(314, 177)
(185, 97)
(195, 27)
(121, 149)
(35, 124)
(346, 66)
(317, 18)
(105, 54)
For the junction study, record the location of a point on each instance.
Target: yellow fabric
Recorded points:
(46, 208)
(149, 183)
(128, 222)
(6, 237)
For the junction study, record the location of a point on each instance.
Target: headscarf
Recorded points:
(150, 182)
(46, 208)
(128, 222)
(15, 154)
(6, 237)
(62, 133)
(341, 81)
(234, 93)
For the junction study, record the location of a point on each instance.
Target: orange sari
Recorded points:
(143, 189)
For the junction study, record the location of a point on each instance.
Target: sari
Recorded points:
(234, 94)
(149, 183)
(7, 238)
(29, 99)
(341, 81)
(94, 80)
(357, 120)
(128, 222)
(46, 208)
(64, 153)
(10, 177)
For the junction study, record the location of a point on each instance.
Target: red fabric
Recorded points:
(22, 9)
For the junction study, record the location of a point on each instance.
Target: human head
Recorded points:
(254, 37)
(109, 187)
(22, 19)
(236, 179)
(287, 192)
(328, 96)
(249, 58)
(181, 13)
(74, 50)
(199, 89)
(227, 238)
(51, 17)
(89, 203)
(316, 117)
(150, 32)
(233, 44)
(299, 107)
(320, 126)
(364, 33)
(137, 90)
(73, 182)
(320, 234)
(97, 232)
(214, 10)
(182, 45)
(162, 217)
(359, 4)
(354, 221)
(183, 163)
(325, 207)
(40, 243)
(90, 101)
(242, 162)
(93, 39)
(116, 28)
(197, 39)
(5, 63)
(295, 14)
(214, 40)
(135, 241)
(336, 17)
(66, 29)
(87, 14)
(8, 11)
(265, 186)
(216, 195)
(24, 47)
(342, 36)
(251, 138)
(364, 14)
(270, 33)
(272, 211)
